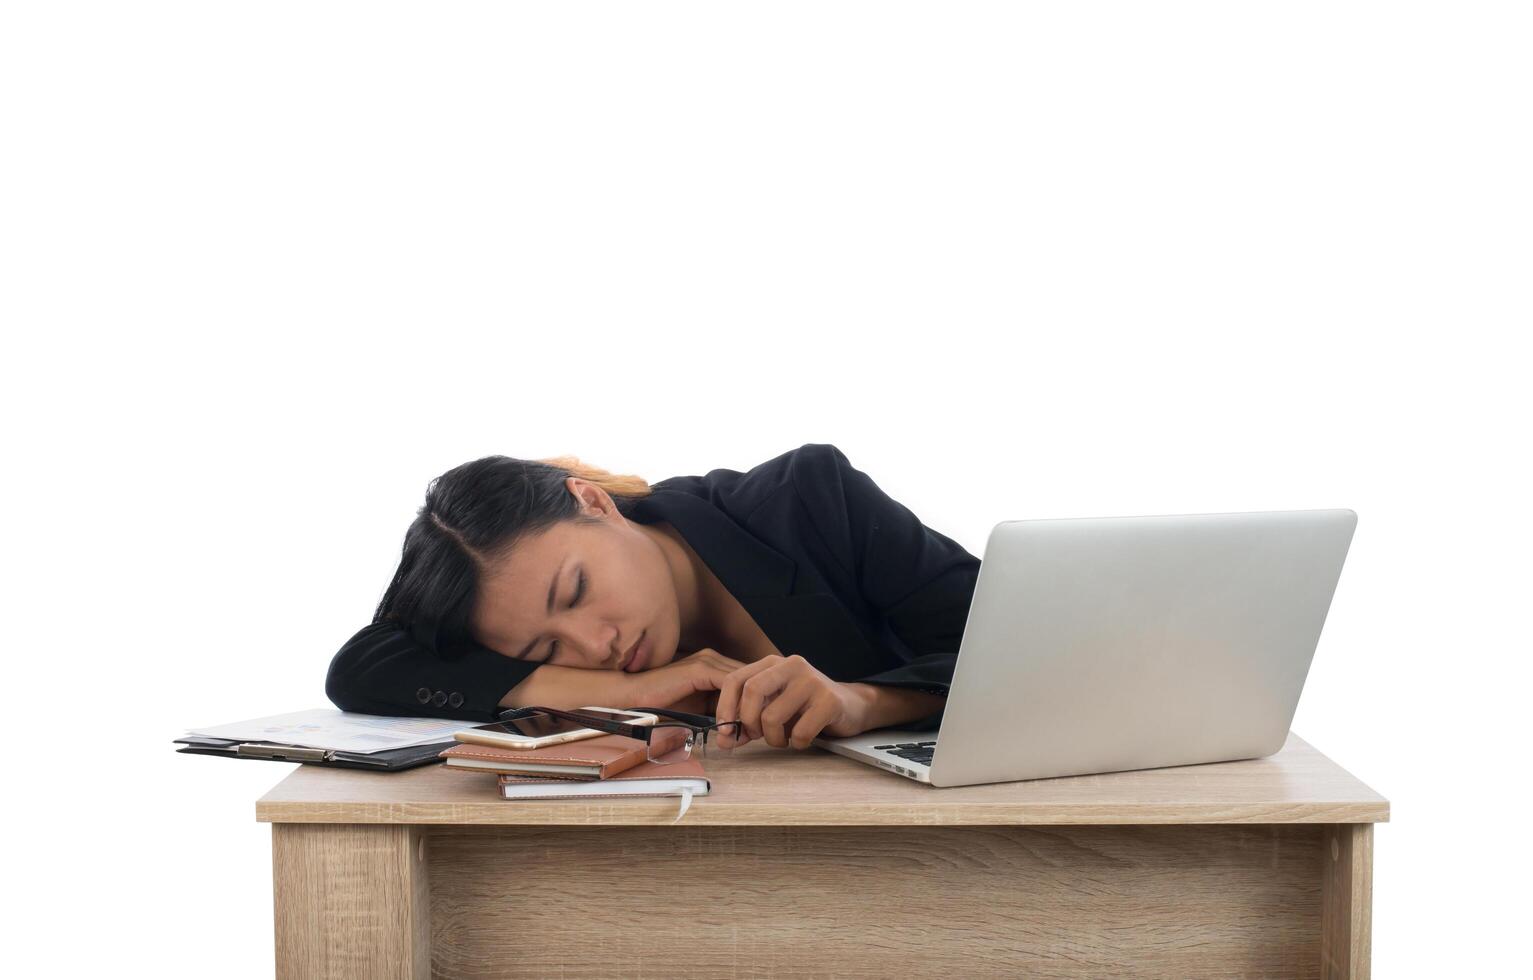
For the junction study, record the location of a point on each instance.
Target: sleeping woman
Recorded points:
(796, 598)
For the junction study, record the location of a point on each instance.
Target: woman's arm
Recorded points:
(383, 670)
(688, 684)
(884, 707)
(576, 687)
(788, 701)
(920, 581)
(553, 686)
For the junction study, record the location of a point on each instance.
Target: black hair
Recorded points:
(474, 516)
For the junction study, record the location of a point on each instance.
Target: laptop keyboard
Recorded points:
(917, 752)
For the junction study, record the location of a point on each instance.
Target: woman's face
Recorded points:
(583, 595)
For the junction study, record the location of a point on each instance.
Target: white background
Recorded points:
(268, 268)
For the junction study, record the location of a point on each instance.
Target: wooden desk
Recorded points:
(806, 864)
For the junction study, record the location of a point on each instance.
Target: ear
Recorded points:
(594, 501)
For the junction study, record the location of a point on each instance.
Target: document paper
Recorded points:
(341, 731)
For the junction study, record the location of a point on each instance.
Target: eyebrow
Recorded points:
(553, 588)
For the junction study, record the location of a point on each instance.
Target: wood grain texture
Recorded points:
(762, 786)
(1236, 901)
(350, 902)
(1346, 947)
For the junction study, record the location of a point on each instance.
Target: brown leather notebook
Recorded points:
(589, 758)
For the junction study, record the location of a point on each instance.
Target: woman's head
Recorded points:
(537, 560)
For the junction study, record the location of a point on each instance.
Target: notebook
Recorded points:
(386, 760)
(326, 737)
(597, 758)
(684, 779)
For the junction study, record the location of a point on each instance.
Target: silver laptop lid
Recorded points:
(1104, 644)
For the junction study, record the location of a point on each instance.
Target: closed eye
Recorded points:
(580, 591)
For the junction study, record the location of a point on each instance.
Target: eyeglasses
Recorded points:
(665, 742)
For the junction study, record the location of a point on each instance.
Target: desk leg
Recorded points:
(351, 901)
(1346, 902)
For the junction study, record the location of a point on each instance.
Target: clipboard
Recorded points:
(388, 760)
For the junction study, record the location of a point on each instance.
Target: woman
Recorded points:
(797, 598)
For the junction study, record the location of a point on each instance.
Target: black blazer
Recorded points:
(826, 563)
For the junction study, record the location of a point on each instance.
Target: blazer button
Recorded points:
(423, 695)
(455, 699)
(439, 698)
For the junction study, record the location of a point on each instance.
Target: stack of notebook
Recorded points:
(608, 765)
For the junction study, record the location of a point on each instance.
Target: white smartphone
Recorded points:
(538, 729)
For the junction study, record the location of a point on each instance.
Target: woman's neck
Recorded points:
(701, 598)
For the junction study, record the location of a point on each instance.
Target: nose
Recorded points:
(598, 646)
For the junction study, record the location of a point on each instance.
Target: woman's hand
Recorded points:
(686, 684)
(787, 701)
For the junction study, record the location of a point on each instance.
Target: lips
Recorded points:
(634, 659)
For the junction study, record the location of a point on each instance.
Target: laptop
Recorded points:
(1107, 644)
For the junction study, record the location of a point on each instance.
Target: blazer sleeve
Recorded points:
(921, 581)
(383, 670)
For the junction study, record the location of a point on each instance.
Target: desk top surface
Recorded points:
(759, 785)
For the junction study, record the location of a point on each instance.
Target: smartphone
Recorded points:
(535, 730)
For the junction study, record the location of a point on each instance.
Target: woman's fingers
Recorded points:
(813, 721)
(724, 663)
(713, 663)
(730, 689)
(756, 691)
(775, 717)
(783, 700)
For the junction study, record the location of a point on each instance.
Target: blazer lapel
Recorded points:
(792, 605)
(746, 565)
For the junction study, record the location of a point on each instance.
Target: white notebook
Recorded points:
(548, 789)
(681, 779)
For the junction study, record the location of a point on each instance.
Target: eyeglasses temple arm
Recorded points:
(701, 720)
(600, 724)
